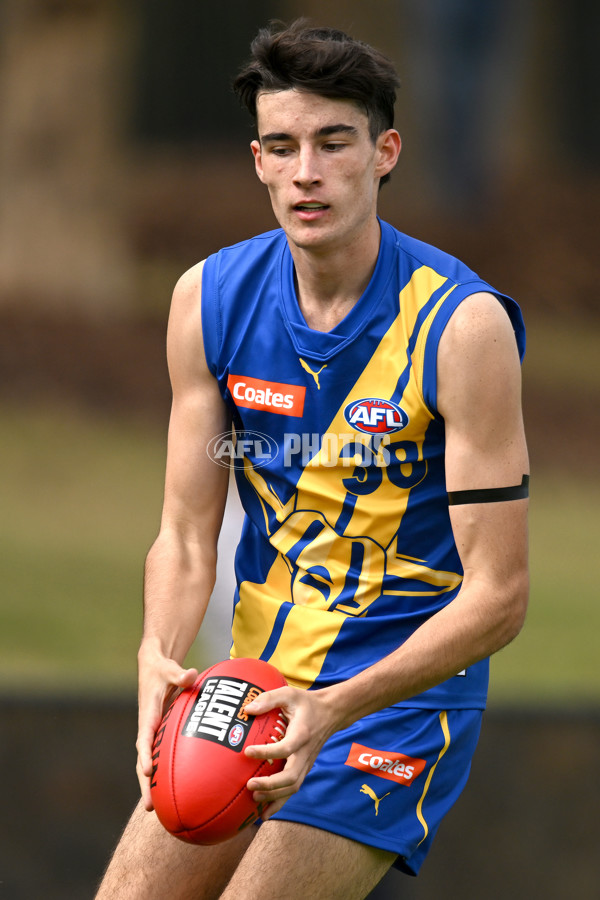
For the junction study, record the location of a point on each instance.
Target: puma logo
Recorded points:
(365, 789)
(308, 369)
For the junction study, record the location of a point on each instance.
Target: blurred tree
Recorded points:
(62, 241)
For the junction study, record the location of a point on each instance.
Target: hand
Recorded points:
(310, 724)
(159, 678)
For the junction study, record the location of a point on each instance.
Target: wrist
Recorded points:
(151, 651)
(336, 705)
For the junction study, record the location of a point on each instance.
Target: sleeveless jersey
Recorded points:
(346, 546)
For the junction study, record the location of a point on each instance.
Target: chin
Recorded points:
(309, 239)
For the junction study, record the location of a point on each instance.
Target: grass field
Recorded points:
(81, 501)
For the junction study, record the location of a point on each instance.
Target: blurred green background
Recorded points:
(124, 160)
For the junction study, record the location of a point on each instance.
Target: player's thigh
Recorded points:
(151, 864)
(297, 862)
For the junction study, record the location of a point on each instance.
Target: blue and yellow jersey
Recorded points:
(346, 546)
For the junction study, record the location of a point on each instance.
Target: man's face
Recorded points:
(321, 167)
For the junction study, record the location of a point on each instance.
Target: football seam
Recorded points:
(264, 763)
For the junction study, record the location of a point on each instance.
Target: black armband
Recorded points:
(490, 495)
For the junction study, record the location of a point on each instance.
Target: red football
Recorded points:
(200, 772)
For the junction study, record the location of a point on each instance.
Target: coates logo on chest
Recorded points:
(270, 396)
(372, 415)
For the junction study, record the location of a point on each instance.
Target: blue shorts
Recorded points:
(389, 779)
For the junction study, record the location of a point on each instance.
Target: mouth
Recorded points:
(311, 205)
(310, 210)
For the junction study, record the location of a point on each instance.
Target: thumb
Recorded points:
(187, 677)
(176, 675)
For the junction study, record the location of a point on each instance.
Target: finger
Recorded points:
(144, 746)
(269, 700)
(153, 705)
(274, 750)
(272, 808)
(271, 801)
(145, 789)
(266, 799)
(157, 685)
(287, 780)
(149, 719)
(270, 783)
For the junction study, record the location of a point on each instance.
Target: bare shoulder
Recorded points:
(479, 368)
(187, 293)
(185, 346)
(478, 350)
(479, 320)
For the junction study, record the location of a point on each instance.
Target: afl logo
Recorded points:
(235, 735)
(373, 415)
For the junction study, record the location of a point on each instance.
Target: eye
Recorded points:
(280, 151)
(333, 146)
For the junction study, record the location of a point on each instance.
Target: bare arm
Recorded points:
(181, 565)
(479, 397)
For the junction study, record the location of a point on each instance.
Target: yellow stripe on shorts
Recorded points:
(446, 732)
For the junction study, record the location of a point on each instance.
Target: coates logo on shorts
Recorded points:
(385, 763)
(373, 415)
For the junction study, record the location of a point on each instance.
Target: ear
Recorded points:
(389, 145)
(257, 154)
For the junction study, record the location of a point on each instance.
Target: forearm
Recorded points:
(471, 628)
(179, 578)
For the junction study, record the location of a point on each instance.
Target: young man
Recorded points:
(383, 557)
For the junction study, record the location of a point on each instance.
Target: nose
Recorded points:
(307, 170)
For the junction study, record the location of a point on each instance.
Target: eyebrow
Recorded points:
(326, 131)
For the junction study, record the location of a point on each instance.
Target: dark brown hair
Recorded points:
(322, 61)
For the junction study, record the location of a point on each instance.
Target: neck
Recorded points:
(330, 282)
